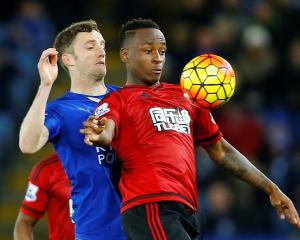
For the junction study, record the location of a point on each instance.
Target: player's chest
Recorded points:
(75, 113)
(79, 109)
(144, 99)
(160, 111)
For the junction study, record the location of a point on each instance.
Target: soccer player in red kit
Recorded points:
(153, 128)
(48, 191)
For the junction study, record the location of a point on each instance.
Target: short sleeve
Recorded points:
(206, 130)
(53, 123)
(36, 197)
(110, 107)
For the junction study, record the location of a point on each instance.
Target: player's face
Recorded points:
(146, 56)
(89, 54)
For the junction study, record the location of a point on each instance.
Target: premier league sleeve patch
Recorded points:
(101, 110)
(31, 193)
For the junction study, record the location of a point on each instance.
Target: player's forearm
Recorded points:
(238, 165)
(32, 126)
(23, 231)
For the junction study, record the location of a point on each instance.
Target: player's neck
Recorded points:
(134, 81)
(88, 87)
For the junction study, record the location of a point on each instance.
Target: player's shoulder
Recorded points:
(173, 89)
(60, 102)
(114, 92)
(45, 167)
(171, 86)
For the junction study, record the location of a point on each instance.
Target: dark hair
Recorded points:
(127, 29)
(65, 38)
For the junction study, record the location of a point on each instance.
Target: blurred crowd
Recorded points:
(22, 39)
(260, 39)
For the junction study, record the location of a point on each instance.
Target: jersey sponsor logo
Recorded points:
(31, 193)
(106, 154)
(101, 110)
(165, 119)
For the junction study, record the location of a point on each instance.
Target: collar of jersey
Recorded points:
(85, 95)
(144, 86)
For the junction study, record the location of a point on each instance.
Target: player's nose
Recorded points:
(157, 57)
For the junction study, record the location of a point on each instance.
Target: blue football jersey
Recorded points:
(93, 171)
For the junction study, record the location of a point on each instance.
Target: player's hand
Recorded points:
(93, 129)
(284, 206)
(47, 66)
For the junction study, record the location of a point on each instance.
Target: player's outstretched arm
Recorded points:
(23, 229)
(33, 134)
(98, 132)
(232, 160)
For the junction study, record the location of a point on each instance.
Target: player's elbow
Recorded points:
(218, 157)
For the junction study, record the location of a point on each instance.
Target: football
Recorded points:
(208, 81)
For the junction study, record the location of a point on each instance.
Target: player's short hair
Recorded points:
(65, 38)
(127, 30)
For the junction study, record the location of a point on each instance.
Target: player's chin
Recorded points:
(100, 74)
(101, 68)
(154, 79)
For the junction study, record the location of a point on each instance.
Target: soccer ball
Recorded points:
(208, 81)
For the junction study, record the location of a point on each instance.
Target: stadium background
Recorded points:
(261, 39)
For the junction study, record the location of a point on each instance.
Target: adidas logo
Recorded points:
(145, 95)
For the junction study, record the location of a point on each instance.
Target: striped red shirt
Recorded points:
(156, 131)
(49, 191)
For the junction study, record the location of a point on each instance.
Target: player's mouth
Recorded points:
(157, 71)
(101, 62)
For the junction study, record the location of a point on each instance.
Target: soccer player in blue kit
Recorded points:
(93, 172)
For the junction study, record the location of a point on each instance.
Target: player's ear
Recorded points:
(67, 59)
(124, 55)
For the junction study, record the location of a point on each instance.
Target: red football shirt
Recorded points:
(49, 190)
(156, 129)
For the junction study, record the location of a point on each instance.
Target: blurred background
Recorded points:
(260, 38)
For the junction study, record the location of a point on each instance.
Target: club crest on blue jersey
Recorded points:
(101, 110)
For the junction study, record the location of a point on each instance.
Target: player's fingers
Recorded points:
(87, 123)
(91, 126)
(91, 117)
(280, 212)
(86, 131)
(83, 131)
(53, 59)
(47, 53)
(88, 141)
(102, 121)
(292, 213)
(95, 121)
